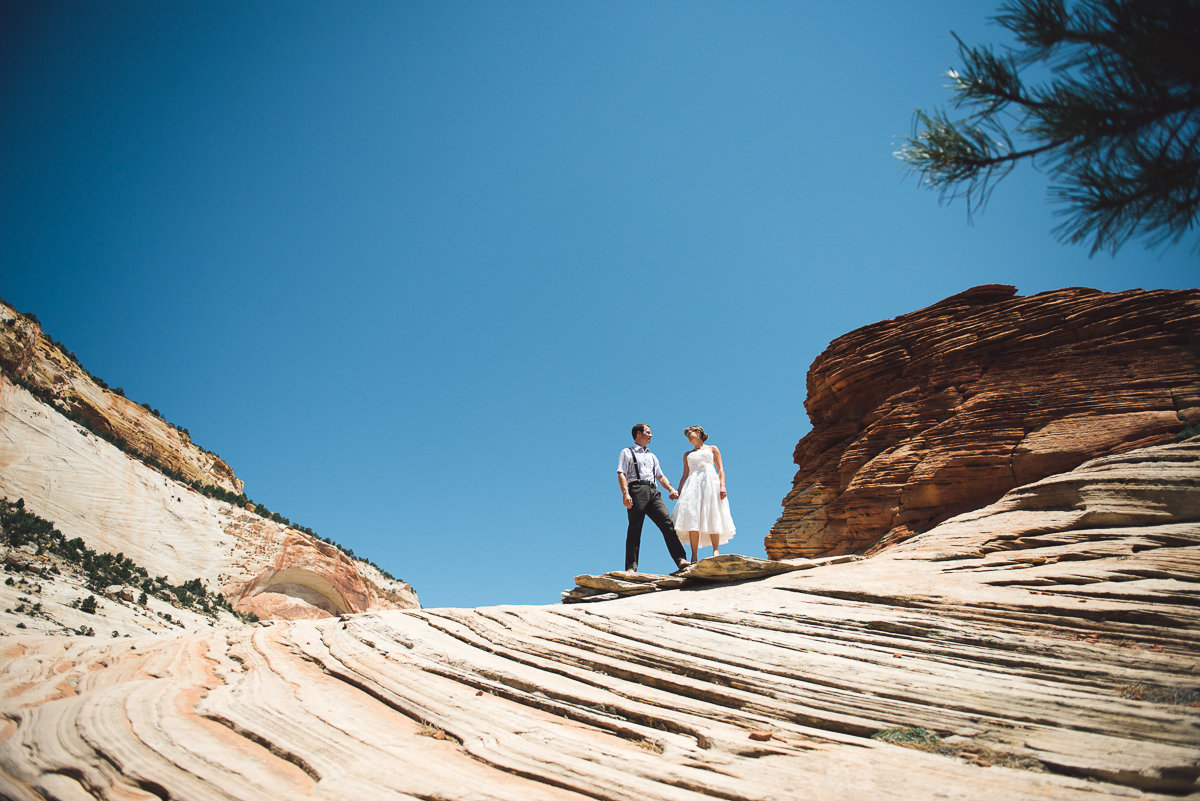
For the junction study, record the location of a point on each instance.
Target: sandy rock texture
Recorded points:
(92, 490)
(1044, 647)
(29, 357)
(943, 410)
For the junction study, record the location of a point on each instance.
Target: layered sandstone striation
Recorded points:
(91, 489)
(943, 410)
(1042, 647)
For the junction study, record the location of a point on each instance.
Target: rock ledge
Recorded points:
(728, 568)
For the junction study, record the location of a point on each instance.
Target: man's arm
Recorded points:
(666, 483)
(662, 479)
(622, 481)
(624, 484)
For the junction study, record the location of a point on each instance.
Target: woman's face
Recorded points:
(693, 437)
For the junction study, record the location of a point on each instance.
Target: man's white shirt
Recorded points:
(646, 461)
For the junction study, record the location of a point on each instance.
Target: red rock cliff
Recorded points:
(943, 410)
(35, 361)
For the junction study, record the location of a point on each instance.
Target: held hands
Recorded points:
(674, 495)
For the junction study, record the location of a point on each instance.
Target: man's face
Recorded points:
(643, 438)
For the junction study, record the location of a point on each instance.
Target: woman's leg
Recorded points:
(716, 540)
(694, 541)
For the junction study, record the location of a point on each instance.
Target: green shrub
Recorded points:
(19, 527)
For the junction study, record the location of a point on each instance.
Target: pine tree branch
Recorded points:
(1118, 120)
(1017, 155)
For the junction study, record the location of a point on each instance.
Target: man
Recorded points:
(637, 470)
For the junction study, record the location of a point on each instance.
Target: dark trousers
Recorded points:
(648, 502)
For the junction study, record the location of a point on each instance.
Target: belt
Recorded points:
(641, 483)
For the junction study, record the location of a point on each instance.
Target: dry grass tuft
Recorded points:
(649, 745)
(427, 729)
(910, 737)
(1140, 691)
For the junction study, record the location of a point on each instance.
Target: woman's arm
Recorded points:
(683, 478)
(720, 469)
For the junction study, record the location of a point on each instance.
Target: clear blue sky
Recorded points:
(414, 269)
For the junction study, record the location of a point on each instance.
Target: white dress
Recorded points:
(700, 506)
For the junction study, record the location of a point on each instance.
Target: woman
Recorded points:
(703, 506)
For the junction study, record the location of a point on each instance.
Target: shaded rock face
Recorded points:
(1043, 647)
(30, 358)
(93, 490)
(297, 577)
(945, 409)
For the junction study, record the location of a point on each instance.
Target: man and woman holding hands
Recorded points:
(702, 507)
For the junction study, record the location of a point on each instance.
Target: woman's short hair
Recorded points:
(699, 432)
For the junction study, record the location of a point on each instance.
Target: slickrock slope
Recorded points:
(1046, 646)
(943, 410)
(93, 490)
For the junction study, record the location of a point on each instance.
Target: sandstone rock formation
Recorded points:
(724, 569)
(1042, 647)
(29, 357)
(943, 410)
(95, 491)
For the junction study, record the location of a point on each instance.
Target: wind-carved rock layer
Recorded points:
(1049, 641)
(945, 409)
(115, 503)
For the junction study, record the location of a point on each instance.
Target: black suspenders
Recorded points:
(637, 470)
